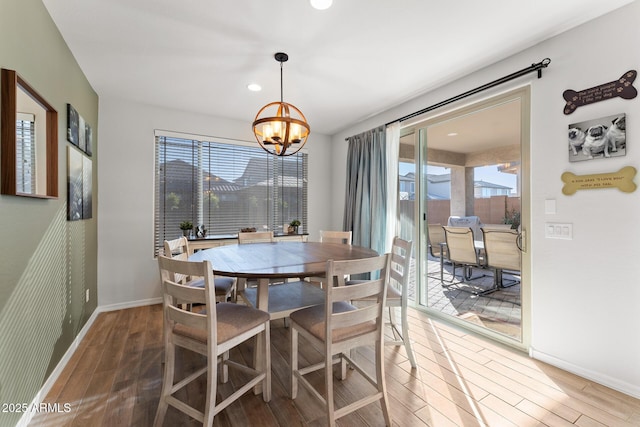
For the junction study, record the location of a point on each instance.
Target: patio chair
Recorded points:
(471, 221)
(502, 253)
(435, 244)
(435, 238)
(463, 252)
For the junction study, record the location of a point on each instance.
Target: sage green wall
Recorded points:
(47, 263)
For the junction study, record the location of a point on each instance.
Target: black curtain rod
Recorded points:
(533, 67)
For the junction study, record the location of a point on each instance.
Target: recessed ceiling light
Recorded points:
(452, 134)
(321, 4)
(254, 87)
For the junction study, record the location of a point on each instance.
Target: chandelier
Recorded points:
(279, 125)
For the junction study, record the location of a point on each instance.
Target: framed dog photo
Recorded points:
(601, 138)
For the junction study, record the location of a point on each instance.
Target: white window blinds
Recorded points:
(225, 187)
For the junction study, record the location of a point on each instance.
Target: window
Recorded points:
(225, 186)
(25, 153)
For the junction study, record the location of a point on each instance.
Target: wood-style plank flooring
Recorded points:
(114, 379)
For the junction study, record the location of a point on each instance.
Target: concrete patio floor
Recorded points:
(499, 311)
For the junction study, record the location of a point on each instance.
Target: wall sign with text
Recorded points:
(622, 87)
(622, 180)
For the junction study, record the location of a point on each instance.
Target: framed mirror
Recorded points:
(28, 140)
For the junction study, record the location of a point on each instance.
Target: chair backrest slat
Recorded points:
(400, 264)
(185, 293)
(175, 247)
(358, 290)
(176, 293)
(375, 289)
(187, 318)
(353, 318)
(178, 249)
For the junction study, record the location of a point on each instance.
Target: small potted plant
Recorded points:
(186, 227)
(293, 226)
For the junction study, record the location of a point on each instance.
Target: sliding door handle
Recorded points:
(521, 241)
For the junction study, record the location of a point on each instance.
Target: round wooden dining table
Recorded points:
(279, 260)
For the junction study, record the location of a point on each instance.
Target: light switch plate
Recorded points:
(556, 230)
(550, 206)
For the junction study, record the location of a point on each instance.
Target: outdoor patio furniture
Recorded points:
(463, 251)
(502, 252)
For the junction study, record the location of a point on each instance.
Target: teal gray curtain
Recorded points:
(366, 193)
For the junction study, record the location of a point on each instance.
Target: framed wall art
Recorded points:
(79, 132)
(79, 185)
(73, 125)
(74, 184)
(598, 138)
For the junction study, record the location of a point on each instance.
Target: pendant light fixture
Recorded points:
(280, 128)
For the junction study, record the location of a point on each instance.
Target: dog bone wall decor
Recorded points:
(623, 180)
(622, 87)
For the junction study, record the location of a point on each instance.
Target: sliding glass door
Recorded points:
(468, 171)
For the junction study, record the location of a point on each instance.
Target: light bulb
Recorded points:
(321, 4)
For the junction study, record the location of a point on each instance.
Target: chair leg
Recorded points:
(328, 381)
(167, 384)
(405, 337)
(224, 376)
(343, 365)
(266, 386)
(294, 362)
(392, 322)
(380, 380)
(212, 385)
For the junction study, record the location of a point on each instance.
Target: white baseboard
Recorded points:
(130, 304)
(53, 377)
(46, 387)
(598, 377)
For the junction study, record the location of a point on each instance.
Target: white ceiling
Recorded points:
(347, 63)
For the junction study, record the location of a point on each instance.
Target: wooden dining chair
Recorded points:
(337, 326)
(255, 237)
(179, 249)
(397, 295)
(211, 332)
(328, 236)
(285, 295)
(502, 253)
(246, 237)
(462, 252)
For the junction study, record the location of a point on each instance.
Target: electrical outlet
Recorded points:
(87, 295)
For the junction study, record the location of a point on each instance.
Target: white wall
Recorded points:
(585, 295)
(127, 271)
